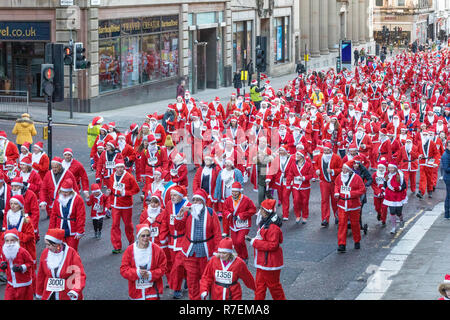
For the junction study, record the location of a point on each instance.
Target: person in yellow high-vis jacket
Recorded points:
(94, 130)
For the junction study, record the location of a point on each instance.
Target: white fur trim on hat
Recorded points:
(198, 197)
(52, 239)
(15, 200)
(223, 250)
(141, 230)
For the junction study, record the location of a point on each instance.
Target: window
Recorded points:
(379, 3)
(401, 3)
(109, 68)
(169, 54)
(151, 58)
(281, 39)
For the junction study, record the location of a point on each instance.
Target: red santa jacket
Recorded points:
(335, 165)
(129, 156)
(428, 154)
(106, 164)
(349, 193)
(33, 181)
(50, 188)
(267, 247)
(160, 135)
(169, 235)
(98, 205)
(179, 174)
(76, 219)
(364, 145)
(138, 288)
(126, 182)
(19, 279)
(26, 233)
(156, 160)
(31, 207)
(395, 193)
(222, 280)
(155, 225)
(198, 178)
(278, 170)
(239, 215)
(42, 165)
(295, 175)
(71, 270)
(407, 161)
(211, 232)
(378, 185)
(80, 175)
(11, 151)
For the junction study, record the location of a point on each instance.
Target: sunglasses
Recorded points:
(145, 235)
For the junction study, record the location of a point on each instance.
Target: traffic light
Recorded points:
(260, 60)
(68, 55)
(47, 76)
(80, 61)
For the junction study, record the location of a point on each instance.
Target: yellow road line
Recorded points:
(401, 231)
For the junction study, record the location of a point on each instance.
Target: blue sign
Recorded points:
(279, 43)
(25, 30)
(346, 51)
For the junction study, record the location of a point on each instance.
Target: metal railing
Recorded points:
(14, 101)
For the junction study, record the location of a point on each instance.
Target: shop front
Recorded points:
(22, 51)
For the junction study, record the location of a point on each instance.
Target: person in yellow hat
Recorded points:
(24, 130)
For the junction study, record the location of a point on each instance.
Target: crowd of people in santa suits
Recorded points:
(373, 127)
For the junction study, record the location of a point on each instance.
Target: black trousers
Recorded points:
(98, 224)
(396, 210)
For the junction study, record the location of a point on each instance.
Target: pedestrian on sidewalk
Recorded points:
(445, 171)
(356, 56)
(237, 82)
(24, 130)
(180, 88)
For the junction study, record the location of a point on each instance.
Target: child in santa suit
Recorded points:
(444, 288)
(205, 178)
(378, 178)
(349, 187)
(268, 252)
(143, 265)
(99, 203)
(222, 274)
(238, 210)
(395, 195)
(69, 213)
(178, 171)
(59, 265)
(18, 264)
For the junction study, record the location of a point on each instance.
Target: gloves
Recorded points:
(17, 268)
(97, 180)
(3, 265)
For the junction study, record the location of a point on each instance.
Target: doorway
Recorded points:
(207, 64)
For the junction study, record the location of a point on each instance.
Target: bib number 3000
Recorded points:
(56, 284)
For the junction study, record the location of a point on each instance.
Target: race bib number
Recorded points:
(119, 186)
(152, 161)
(379, 180)
(110, 164)
(431, 161)
(56, 284)
(172, 220)
(284, 180)
(225, 277)
(158, 135)
(154, 232)
(143, 284)
(345, 190)
(297, 180)
(173, 172)
(241, 223)
(98, 207)
(11, 174)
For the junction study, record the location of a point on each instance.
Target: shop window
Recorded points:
(130, 61)
(151, 58)
(169, 54)
(281, 39)
(109, 67)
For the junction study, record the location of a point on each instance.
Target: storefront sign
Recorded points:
(151, 24)
(169, 23)
(108, 28)
(131, 26)
(26, 30)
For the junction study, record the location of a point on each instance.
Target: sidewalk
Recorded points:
(417, 264)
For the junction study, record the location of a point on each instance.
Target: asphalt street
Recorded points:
(313, 269)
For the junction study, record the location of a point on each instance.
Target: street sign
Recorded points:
(45, 133)
(306, 57)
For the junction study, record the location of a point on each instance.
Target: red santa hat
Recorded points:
(180, 190)
(3, 135)
(217, 99)
(445, 285)
(17, 181)
(353, 146)
(25, 145)
(119, 163)
(67, 186)
(349, 164)
(151, 139)
(10, 163)
(328, 145)
(382, 162)
(57, 160)
(392, 164)
(39, 145)
(133, 127)
(157, 195)
(112, 143)
(69, 151)
(97, 120)
(409, 137)
(179, 158)
(18, 198)
(153, 116)
(141, 228)
(95, 187)
(26, 161)
(105, 127)
(11, 232)
(200, 194)
(254, 81)
(112, 124)
(55, 235)
(269, 205)
(236, 186)
(100, 145)
(225, 246)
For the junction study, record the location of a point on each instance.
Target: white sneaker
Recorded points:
(393, 230)
(285, 219)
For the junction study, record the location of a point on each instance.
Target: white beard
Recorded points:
(35, 158)
(14, 217)
(54, 259)
(15, 193)
(431, 119)
(395, 123)
(121, 144)
(25, 175)
(390, 112)
(64, 200)
(10, 250)
(196, 210)
(344, 177)
(359, 135)
(66, 165)
(153, 213)
(327, 157)
(303, 123)
(408, 147)
(380, 173)
(142, 256)
(351, 112)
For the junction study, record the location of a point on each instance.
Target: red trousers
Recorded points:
(169, 264)
(435, 176)
(238, 239)
(426, 179)
(72, 242)
(380, 208)
(344, 216)
(327, 194)
(125, 215)
(283, 197)
(268, 279)
(194, 270)
(177, 272)
(301, 203)
(22, 293)
(410, 178)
